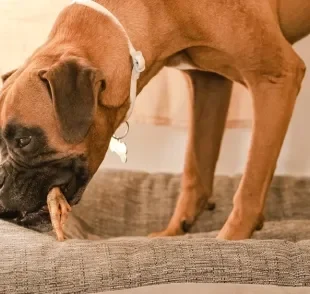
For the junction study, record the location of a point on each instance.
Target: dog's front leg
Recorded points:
(274, 92)
(208, 111)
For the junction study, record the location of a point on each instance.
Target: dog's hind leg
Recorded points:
(208, 111)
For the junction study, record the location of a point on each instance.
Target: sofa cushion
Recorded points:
(108, 250)
(122, 203)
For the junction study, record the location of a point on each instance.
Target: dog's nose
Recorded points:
(2, 178)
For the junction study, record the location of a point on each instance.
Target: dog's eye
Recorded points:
(23, 142)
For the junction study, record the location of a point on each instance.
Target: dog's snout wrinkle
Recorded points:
(17, 163)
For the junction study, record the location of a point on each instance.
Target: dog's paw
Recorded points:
(240, 226)
(260, 223)
(165, 233)
(210, 205)
(176, 230)
(158, 234)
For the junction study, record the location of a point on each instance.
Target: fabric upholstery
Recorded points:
(108, 250)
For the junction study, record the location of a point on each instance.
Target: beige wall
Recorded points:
(24, 26)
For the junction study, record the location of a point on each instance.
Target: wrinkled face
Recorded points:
(54, 132)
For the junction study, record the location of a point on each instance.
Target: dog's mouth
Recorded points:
(39, 219)
(24, 192)
(36, 220)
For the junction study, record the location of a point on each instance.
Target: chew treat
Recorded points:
(58, 208)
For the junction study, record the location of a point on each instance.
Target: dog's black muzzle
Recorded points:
(24, 189)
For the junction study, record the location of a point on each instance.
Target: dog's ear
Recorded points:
(7, 75)
(74, 88)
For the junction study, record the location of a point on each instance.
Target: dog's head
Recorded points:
(55, 131)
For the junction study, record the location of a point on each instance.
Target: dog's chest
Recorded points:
(182, 62)
(206, 59)
(185, 66)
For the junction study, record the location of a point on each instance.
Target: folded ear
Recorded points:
(74, 88)
(7, 75)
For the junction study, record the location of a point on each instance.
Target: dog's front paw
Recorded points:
(176, 230)
(166, 233)
(160, 234)
(240, 226)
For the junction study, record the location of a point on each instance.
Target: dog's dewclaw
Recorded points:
(59, 209)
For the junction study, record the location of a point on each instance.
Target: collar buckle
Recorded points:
(138, 61)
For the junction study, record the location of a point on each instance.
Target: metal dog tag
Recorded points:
(120, 148)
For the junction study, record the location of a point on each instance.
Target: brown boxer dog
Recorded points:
(61, 107)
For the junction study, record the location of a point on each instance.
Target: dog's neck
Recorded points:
(83, 32)
(149, 26)
(88, 32)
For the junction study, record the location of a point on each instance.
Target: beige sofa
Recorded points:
(108, 249)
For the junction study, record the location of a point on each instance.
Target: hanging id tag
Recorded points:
(120, 148)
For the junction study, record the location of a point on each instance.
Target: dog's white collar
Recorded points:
(137, 56)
